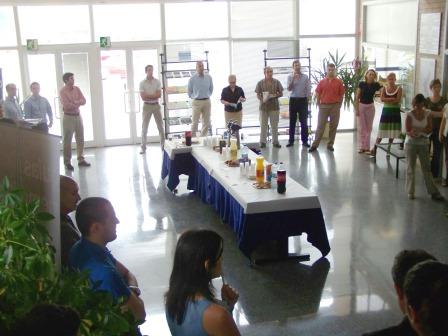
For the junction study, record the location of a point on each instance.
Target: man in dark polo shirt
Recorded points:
(232, 96)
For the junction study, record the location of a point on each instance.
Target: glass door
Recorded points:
(47, 68)
(121, 73)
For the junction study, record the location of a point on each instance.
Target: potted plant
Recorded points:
(29, 276)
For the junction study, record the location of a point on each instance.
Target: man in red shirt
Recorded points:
(71, 99)
(329, 95)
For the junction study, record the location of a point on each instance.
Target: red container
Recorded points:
(281, 181)
(188, 138)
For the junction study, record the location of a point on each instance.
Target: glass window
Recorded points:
(9, 63)
(262, 19)
(218, 57)
(7, 27)
(383, 25)
(55, 24)
(196, 20)
(138, 22)
(319, 17)
(248, 65)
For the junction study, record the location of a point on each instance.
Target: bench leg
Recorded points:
(396, 169)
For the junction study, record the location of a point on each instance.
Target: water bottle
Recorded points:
(281, 179)
(274, 169)
(244, 154)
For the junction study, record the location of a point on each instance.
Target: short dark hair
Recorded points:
(331, 65)
(189, 275)
(148, 66)
(426, 291)
(435, 82)
(90, 210)
(66, 76)
(404, 261)
(50, 320)
(418, 99)
(34, 83)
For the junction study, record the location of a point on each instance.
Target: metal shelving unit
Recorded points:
(176, 103)
(286, 70)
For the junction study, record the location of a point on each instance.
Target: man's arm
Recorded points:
(49, 112)
(27, 109)
(66, 102)
(211, 85)
(190, 87)
(81, 101)
(127, 275)
(136, 306)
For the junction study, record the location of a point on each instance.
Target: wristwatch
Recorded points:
(136, 290)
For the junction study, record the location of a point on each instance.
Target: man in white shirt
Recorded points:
(150, 92)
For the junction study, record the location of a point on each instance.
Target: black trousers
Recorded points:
(298, 106)
(437, 148)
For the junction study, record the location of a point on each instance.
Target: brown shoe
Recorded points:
(83, 163)
(68, 166)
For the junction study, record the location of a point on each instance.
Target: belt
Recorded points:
(148, 103)
(201, 98)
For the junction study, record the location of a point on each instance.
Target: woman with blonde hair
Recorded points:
(390, 122)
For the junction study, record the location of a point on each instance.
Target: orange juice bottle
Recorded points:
(259, 169)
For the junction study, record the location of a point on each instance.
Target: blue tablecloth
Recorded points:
(182, 164)
(251, 229)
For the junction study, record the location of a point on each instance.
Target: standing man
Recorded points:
(38, 107)
(268, 91)
(11, 107)
(71, 99)
(232, 96)
(200, 88)
(150, 92)
(97, 222)
(300, 86)
(329, 95)
(69, 198)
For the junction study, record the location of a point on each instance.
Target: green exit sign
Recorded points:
(105, 42)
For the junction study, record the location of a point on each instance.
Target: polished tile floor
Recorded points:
(368, 217)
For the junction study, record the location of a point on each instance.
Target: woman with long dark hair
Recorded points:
(190, 304)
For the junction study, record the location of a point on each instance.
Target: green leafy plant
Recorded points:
(28, 274)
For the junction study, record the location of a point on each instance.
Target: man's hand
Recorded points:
(50, 124)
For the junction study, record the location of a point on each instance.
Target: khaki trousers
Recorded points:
(148, 111)
(273, 117)
(332, 111)
(422, 152)
(201, 108)
(72, 124)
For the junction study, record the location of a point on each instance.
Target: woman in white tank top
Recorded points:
(418, 129)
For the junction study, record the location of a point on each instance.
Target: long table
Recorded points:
(255, 215)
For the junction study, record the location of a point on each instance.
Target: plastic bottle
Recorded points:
(244, 154)
(188, 138)
(259, 169)
(274, 169)
(233, 150)
(281, 179)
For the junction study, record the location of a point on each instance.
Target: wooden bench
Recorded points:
(394, 151)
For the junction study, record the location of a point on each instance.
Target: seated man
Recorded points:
(97, 222)
(69, 198)
(426, 294)
(403, 262)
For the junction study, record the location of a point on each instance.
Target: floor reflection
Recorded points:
(368, 217)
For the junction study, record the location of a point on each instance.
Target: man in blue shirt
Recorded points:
(200, 88)
(97, 222)
(11, 107)
(300, 86)
(38, 107)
